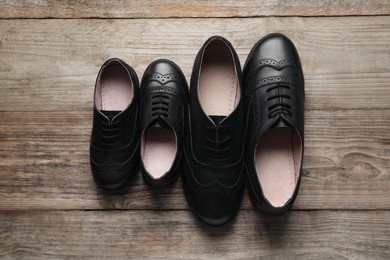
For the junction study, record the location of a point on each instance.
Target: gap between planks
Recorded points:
(172, 9)
(340, 56)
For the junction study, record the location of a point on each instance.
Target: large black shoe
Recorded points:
(213, 178)
(163, 107)
(114, 143)
(274, 99)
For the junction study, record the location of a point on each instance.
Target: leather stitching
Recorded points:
(278, 65)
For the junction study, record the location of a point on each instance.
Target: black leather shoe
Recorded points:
(163, 106)
(213, 178)
(114, 144)
(274, 101)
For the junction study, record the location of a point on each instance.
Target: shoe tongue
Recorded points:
(217, 119)
(110, 113)
(281, 123)
(160, 123)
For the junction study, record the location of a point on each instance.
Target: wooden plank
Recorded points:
(51, 65)
(176, 8)
(45, 164)
(177, 235)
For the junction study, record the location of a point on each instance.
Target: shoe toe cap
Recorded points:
(163, 67)
(277, 47)
(216, 212)
(109, 177)
(213, 208)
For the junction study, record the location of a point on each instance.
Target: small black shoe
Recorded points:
(114, 146)
(213, 178)
(274, 99)
(163, 107)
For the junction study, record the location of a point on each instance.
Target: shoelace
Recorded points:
(160, 105)
(218, 143)
(110, 133)
(279, 105)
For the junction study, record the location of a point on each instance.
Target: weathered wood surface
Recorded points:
(49, 65)
(45, 164)
(51, 208)
(177, 235)
(178, 8)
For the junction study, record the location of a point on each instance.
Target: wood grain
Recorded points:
(177, 8)
(50, 207)
(177, 235)
(45, 164)
(49, 65)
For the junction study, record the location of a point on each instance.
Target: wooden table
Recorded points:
(50, 53)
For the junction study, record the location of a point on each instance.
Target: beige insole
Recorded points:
(278, 158)
(116, 90)
(159, 150)
(218, 84)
